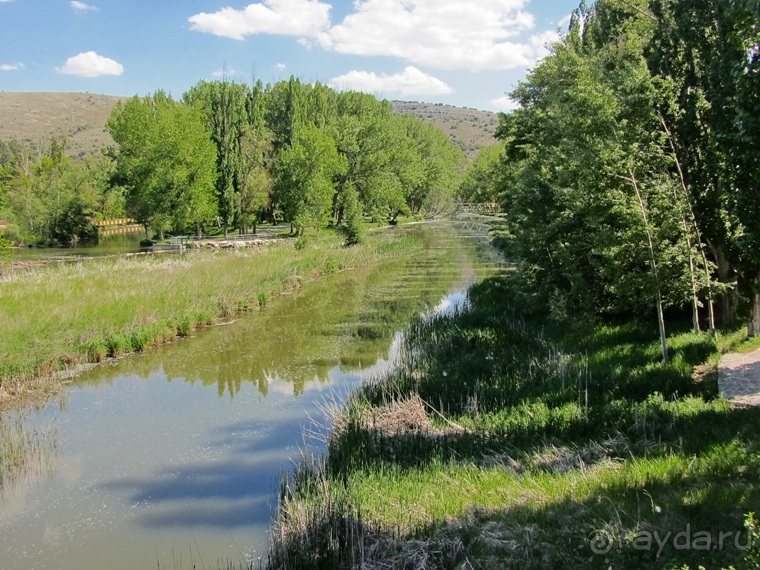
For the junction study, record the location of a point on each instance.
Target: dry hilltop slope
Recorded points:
(36, 117)
(81, 117)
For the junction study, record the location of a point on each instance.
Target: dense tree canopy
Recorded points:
(629, 173)
(232, 155)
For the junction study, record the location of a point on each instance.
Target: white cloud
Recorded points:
(443, 34)
(90, 64)
(411, 81)
(505, 104)
(280, 66)
(1, 1)
(440, 34)
(301, 18)
(564, 23)
(11, 66)
(225, 73)
(82, 7)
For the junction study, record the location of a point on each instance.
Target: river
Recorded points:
(172, 458)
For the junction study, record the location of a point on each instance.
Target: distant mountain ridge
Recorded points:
(81, 118)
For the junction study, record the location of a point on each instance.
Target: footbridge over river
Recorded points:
(476, 217)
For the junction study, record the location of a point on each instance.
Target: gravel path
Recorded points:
(739, 378)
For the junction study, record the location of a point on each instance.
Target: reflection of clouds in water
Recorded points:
(452, 303)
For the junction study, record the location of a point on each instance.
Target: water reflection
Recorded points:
(346, 320)
(186, 443)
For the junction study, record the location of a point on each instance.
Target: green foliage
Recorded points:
(48, 197)
(165, 160)
(504, 441)
(481, 181)
(617, 174)
(353, 227)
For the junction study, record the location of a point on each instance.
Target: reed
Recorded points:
(25, 450)
(503, 440)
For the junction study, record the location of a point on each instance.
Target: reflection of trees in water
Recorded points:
(347, 320)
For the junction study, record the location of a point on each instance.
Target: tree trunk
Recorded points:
(198, 230)
(225, 229)
(653, 264)
(753, 325)
(726, 301)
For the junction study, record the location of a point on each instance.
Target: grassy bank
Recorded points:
(503, 442)
(58, 317)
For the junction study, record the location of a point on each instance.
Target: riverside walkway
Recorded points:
(739, 378)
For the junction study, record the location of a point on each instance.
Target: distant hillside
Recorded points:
(470, 129)
(81, 118)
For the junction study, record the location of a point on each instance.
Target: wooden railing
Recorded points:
(478, 207)
(112, 222)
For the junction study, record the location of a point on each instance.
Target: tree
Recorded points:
(224, 108)
(481, 180)
(705, 54)
(166, 161)
(304, 177)
(588, 182)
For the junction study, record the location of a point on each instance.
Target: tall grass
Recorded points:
(58, 317)
(504, 441)
(25, 449)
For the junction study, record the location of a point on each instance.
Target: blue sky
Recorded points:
(459, 52)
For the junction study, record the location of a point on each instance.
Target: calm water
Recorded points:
(172, 459)
(110, 245)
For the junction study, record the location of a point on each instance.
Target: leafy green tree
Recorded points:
(481, 181)
(705, 56)
(369, 140)
(354, 219)
(304, 177)
(224, 108)
(588, 185)
(440, 165)
(166, 161)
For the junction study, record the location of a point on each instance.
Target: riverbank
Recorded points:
(503, 441)
(59, 318)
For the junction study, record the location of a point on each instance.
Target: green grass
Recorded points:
(24, 449)
(60, 316)
(503, 441)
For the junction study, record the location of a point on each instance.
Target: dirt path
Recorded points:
(739, 378)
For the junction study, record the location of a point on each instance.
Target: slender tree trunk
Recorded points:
(705, 264)
(753, 325)
(653, 264)
(198, 231)
(726, 301)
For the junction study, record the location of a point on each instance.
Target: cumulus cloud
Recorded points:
(82, 7)
(90, 64)
(411, 81)
(505, 104)
(224, 73)
(300, 18)
(280, 66)
(443, 34)
(440, 34)
(11, 66)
